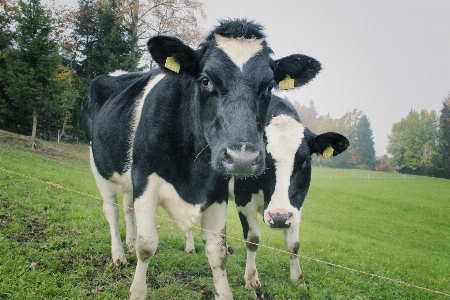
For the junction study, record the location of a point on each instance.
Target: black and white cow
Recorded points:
(279, 193)
(174, 136)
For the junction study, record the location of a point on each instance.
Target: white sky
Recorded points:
(381, 57)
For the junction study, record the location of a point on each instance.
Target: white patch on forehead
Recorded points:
(138, 110)
(239, 50)
(284, 137)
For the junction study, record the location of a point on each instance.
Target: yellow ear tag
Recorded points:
(287, 83)
(172, 64)
(328, 152)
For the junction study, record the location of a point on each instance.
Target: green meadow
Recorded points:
(364, 235)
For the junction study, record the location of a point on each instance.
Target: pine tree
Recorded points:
(6, 20)
(364, 143)
(106, 44)
(346, 125)
(103, 42)
(308, 115)
(444, 124)
(32, 66)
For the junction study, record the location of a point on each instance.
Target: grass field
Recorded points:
(55, 244)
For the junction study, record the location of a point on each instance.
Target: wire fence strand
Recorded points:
(58, 186)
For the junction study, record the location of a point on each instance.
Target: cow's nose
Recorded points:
(243, 161)
(280, 219)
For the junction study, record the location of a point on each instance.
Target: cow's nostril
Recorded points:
(280, 220)
(227, 159)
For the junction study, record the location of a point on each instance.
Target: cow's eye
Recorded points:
(206, 82)
(270, 87)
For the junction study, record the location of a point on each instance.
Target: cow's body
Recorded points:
(279, 193)
(174, 136)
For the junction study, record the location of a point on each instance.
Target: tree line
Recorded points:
(49, 55)
(419, 144)
(355, 125)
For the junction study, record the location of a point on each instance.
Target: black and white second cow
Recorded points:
(174, 136)
(279, 193)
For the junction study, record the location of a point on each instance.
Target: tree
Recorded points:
(364, 143)
(327, 124)
(7, 11)
(444, 124)
(308, 115)
(414, 143)
(167, 17)
(384, 164)
(101, 42)
(348, 122)
(346, 125)
(33, 64)
(63, 18)
(104, 43)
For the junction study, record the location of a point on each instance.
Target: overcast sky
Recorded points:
(381, 57)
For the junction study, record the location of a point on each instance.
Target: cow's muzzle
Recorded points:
(243, 160)
(279, 219)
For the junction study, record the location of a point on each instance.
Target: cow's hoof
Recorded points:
(131, 247)
(189, 246)
(138, 292)
(120, 261)
(251, 279)
(255, 284)
(300, 282)
(302, 285)
(189, 250)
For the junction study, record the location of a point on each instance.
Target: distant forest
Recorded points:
(49, 55)
(418, 144)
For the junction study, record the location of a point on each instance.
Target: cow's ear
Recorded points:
(172, 54)
(295, 70)
(331, 143)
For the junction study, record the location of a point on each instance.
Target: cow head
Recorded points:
(234, 75)
(290, 146)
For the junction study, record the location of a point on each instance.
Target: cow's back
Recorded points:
(107, 116)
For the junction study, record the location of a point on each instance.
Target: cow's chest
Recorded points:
(161, 192)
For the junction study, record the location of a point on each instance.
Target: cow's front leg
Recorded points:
(291, 237)
(189, 246)
(252, 235)
(146, 243)
(128, 209)
(213, 221)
